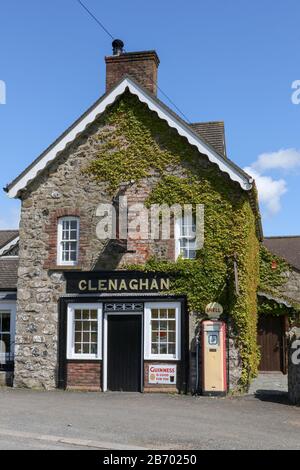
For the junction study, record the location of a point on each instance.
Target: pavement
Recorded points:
(270, 383)
(129, 421)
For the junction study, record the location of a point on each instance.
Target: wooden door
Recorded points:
(270, 338)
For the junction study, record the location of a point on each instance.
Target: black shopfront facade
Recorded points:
(122, 331)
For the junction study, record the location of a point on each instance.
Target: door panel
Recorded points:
(270, 339)
(124, 343)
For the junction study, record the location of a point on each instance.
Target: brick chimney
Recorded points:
(141, 66)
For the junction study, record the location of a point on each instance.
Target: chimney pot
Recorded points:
(118, 46)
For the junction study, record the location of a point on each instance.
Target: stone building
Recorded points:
(87, 316)
(273, 328)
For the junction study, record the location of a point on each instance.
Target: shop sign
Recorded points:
(105, 282)
(162, 374)
(214, 310)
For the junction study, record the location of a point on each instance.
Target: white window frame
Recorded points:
(11, 308)
(178, 237)
(148, 331)
(60, 241)
(71, 331)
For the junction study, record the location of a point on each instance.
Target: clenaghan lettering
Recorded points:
(124, 285)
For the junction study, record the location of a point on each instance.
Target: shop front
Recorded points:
(122, 331)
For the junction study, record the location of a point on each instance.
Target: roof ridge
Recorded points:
(208, 122)
(273, 237)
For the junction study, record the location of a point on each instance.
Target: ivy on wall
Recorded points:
(273, 276)
(135, 144)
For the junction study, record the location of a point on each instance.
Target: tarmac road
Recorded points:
(71, 420)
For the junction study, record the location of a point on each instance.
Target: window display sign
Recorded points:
(164, 374)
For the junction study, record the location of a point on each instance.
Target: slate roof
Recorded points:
(7, 236)
(8, 273)
(286, 247)
(213, 132)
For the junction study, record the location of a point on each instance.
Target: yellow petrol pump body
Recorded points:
(214, 370)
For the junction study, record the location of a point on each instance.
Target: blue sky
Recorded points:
(230, 60)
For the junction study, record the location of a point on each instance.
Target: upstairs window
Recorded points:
(68, 241)
(185, 234)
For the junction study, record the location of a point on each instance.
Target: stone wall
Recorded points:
(292, 287)
(294, 366)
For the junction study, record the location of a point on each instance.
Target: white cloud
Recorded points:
(270, 190)
(284, 159)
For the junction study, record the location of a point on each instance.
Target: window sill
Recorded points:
(61, 267)
(162, 358)
(84, 357)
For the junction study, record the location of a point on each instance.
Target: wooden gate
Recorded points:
(271, 339)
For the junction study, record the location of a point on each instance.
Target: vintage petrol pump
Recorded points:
(214, 370)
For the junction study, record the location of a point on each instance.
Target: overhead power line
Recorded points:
(101, 25)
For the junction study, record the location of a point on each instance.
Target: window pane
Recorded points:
(154, 313)
(86, 348)
(5, 326)
(94, 326)
(73, 235)
(163, 336)
(163, 325)
(74, 224)
(86, 337)
(94, 337)
(77, 314)
(77, 337)
(155, 336)
(171, 337)
(78, 326)
(94, 314)
(171, 313)
(163, 313)
(171, 348)
(94, 349)
(163, 348)
(154, 348)
(85, 314)
(6, 340)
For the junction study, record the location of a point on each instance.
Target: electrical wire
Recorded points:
(99, 23)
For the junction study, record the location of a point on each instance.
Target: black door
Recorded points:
(124, 343)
